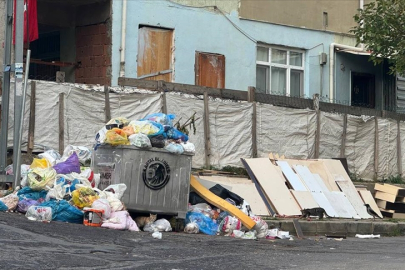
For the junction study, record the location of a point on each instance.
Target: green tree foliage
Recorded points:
(381, 27)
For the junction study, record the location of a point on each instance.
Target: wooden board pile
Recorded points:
(288, 186)
(391, 200)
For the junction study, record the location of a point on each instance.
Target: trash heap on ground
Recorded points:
(61, 188)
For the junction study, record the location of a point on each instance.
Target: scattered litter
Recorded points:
(157, 235)
(39, 213)
(367, 236)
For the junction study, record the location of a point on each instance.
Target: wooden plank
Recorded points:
(385, 196)
(336, 169)
(343, 144)
(304, 199)
(61, 122)
(391, 189)
(207, 134)
(341, 204)
(298, 228)
(273, 184)
(397, 207)
(220, 203)
(323, 202)
(291, 176)
(353, 196)
(318, 126)
(164, 100)
(389, 214)
(251, 98)
(31, 127)
(307, 178)
(107, 103)
(259, 188)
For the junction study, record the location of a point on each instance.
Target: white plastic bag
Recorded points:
(162, 225)
(188, 147)
(283, 235)
(102, 204)
(238, 234)
(82, 152)
(191, 227)
(52, 156)
(175, 148)
(272, 233)
(157, 235)
(117, 189)
(39, 213)
(140, 140)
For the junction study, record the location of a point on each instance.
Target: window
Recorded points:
(279, 71)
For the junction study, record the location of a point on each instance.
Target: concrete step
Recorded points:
(346, 227)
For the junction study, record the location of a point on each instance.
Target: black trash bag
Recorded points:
(194, 198)
(158, 141)
(224, 193)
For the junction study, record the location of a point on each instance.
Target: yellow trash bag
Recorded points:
(39, 178)
(84, 197)
(116, 136)
(40, 163)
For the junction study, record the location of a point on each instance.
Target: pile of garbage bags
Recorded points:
(208, 219)
(154, 130)
(62, 188)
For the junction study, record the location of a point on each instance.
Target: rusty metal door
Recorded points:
(155, 54)
(210, 70)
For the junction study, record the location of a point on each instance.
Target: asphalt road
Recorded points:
(33, 245)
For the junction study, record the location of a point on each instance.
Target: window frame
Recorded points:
(287, 66)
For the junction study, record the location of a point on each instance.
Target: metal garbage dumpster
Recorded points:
(157, 181)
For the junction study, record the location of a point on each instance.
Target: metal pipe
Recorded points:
(18, 86)
(5, 101)
(27, 71)
(332, 65)
(123, 37)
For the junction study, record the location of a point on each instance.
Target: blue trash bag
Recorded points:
(205, 224)
(3, 207)
(72, 164)
(27, 193)
(161, 118)
(63, 211)
(174, 134)
(160, 132)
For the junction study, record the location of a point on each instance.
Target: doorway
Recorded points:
(210, 70)
(363, 90)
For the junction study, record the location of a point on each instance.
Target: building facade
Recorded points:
(295, 48)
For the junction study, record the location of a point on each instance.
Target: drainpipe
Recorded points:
(123, 36)
(332, 64)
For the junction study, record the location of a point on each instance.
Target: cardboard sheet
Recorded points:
(274, 186)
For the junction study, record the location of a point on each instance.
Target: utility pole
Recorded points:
(5, 102)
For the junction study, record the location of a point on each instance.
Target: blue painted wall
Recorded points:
(198, 29)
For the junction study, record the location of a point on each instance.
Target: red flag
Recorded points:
(32, 16)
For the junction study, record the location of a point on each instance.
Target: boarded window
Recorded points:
(210, 70)
(155, 53)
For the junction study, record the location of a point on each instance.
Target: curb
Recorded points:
(340, 227)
